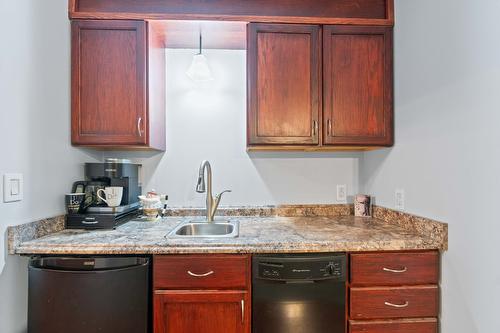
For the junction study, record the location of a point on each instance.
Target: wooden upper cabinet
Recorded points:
(111, 104)
(284, 77)
(358, 79)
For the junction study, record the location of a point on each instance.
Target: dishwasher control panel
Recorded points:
(312, 267)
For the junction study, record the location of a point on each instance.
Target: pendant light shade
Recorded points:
(199, 71)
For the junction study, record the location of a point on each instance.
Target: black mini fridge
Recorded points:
(83, 295)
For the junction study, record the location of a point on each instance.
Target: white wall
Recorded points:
(447, 153)
(34, 131)
(208, 121)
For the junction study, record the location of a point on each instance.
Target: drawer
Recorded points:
(394, 302)
(388, 269)
(201, 272)
(429, 325)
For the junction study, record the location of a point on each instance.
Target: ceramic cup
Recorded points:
(74, 202)
(112, 195)
(362, 205)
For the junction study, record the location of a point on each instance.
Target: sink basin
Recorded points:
(206, 229)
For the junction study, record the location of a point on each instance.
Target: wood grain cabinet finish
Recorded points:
(394, 292)
(202, 293)
(201, 272)
(394, 302)
(319, 94)
(202, 312)
(385, 269)
(358, 86)
(278, 11)
(283, 84)
(426, 325)
(112, 103)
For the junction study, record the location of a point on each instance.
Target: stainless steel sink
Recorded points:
(199, 229)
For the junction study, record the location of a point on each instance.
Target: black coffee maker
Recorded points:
(95, 214)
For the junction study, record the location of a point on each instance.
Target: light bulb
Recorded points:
(199, 71)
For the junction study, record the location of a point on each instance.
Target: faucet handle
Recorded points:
(218, 197)
(221, 193)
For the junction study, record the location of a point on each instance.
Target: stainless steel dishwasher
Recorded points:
(83, 295)
(301, 293)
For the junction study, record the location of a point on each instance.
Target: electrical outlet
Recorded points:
(342, 193)
(399, 199)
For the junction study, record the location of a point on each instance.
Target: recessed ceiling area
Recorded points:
(175, 34)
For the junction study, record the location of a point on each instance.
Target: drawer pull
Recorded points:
(404, 269)
(397, 305)
(200, 275)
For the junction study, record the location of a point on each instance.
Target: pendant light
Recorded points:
(199, 71)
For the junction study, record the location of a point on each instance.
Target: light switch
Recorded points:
(12, 187)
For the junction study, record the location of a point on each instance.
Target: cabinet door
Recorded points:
(358, 86)
(201, 312)
(283, 84)
(109, 83)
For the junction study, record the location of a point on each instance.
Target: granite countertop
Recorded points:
(268, 234)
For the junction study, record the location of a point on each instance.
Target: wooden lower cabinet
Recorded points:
(207, 293)
(389, 292)
(395, 326)
(202, 311)
(394, 292)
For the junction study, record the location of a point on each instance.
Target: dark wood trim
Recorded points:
(390, 12)
(179, 34)
(362, 12)
(284, 148)
(71, 7)
(241, 18)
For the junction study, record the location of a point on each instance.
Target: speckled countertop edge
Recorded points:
(421, 233)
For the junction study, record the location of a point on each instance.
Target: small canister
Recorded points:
(362, 205)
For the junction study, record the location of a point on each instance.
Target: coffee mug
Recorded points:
(74, 202)
(113, 195)
(362, 205)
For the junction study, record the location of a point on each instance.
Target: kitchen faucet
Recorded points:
(212, 203)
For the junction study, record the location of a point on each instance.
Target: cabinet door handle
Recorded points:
(242, 311)
(397, 305)
(200, 275)
(404, 269)
(139, 121)
(315, 128)
(329, 127)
